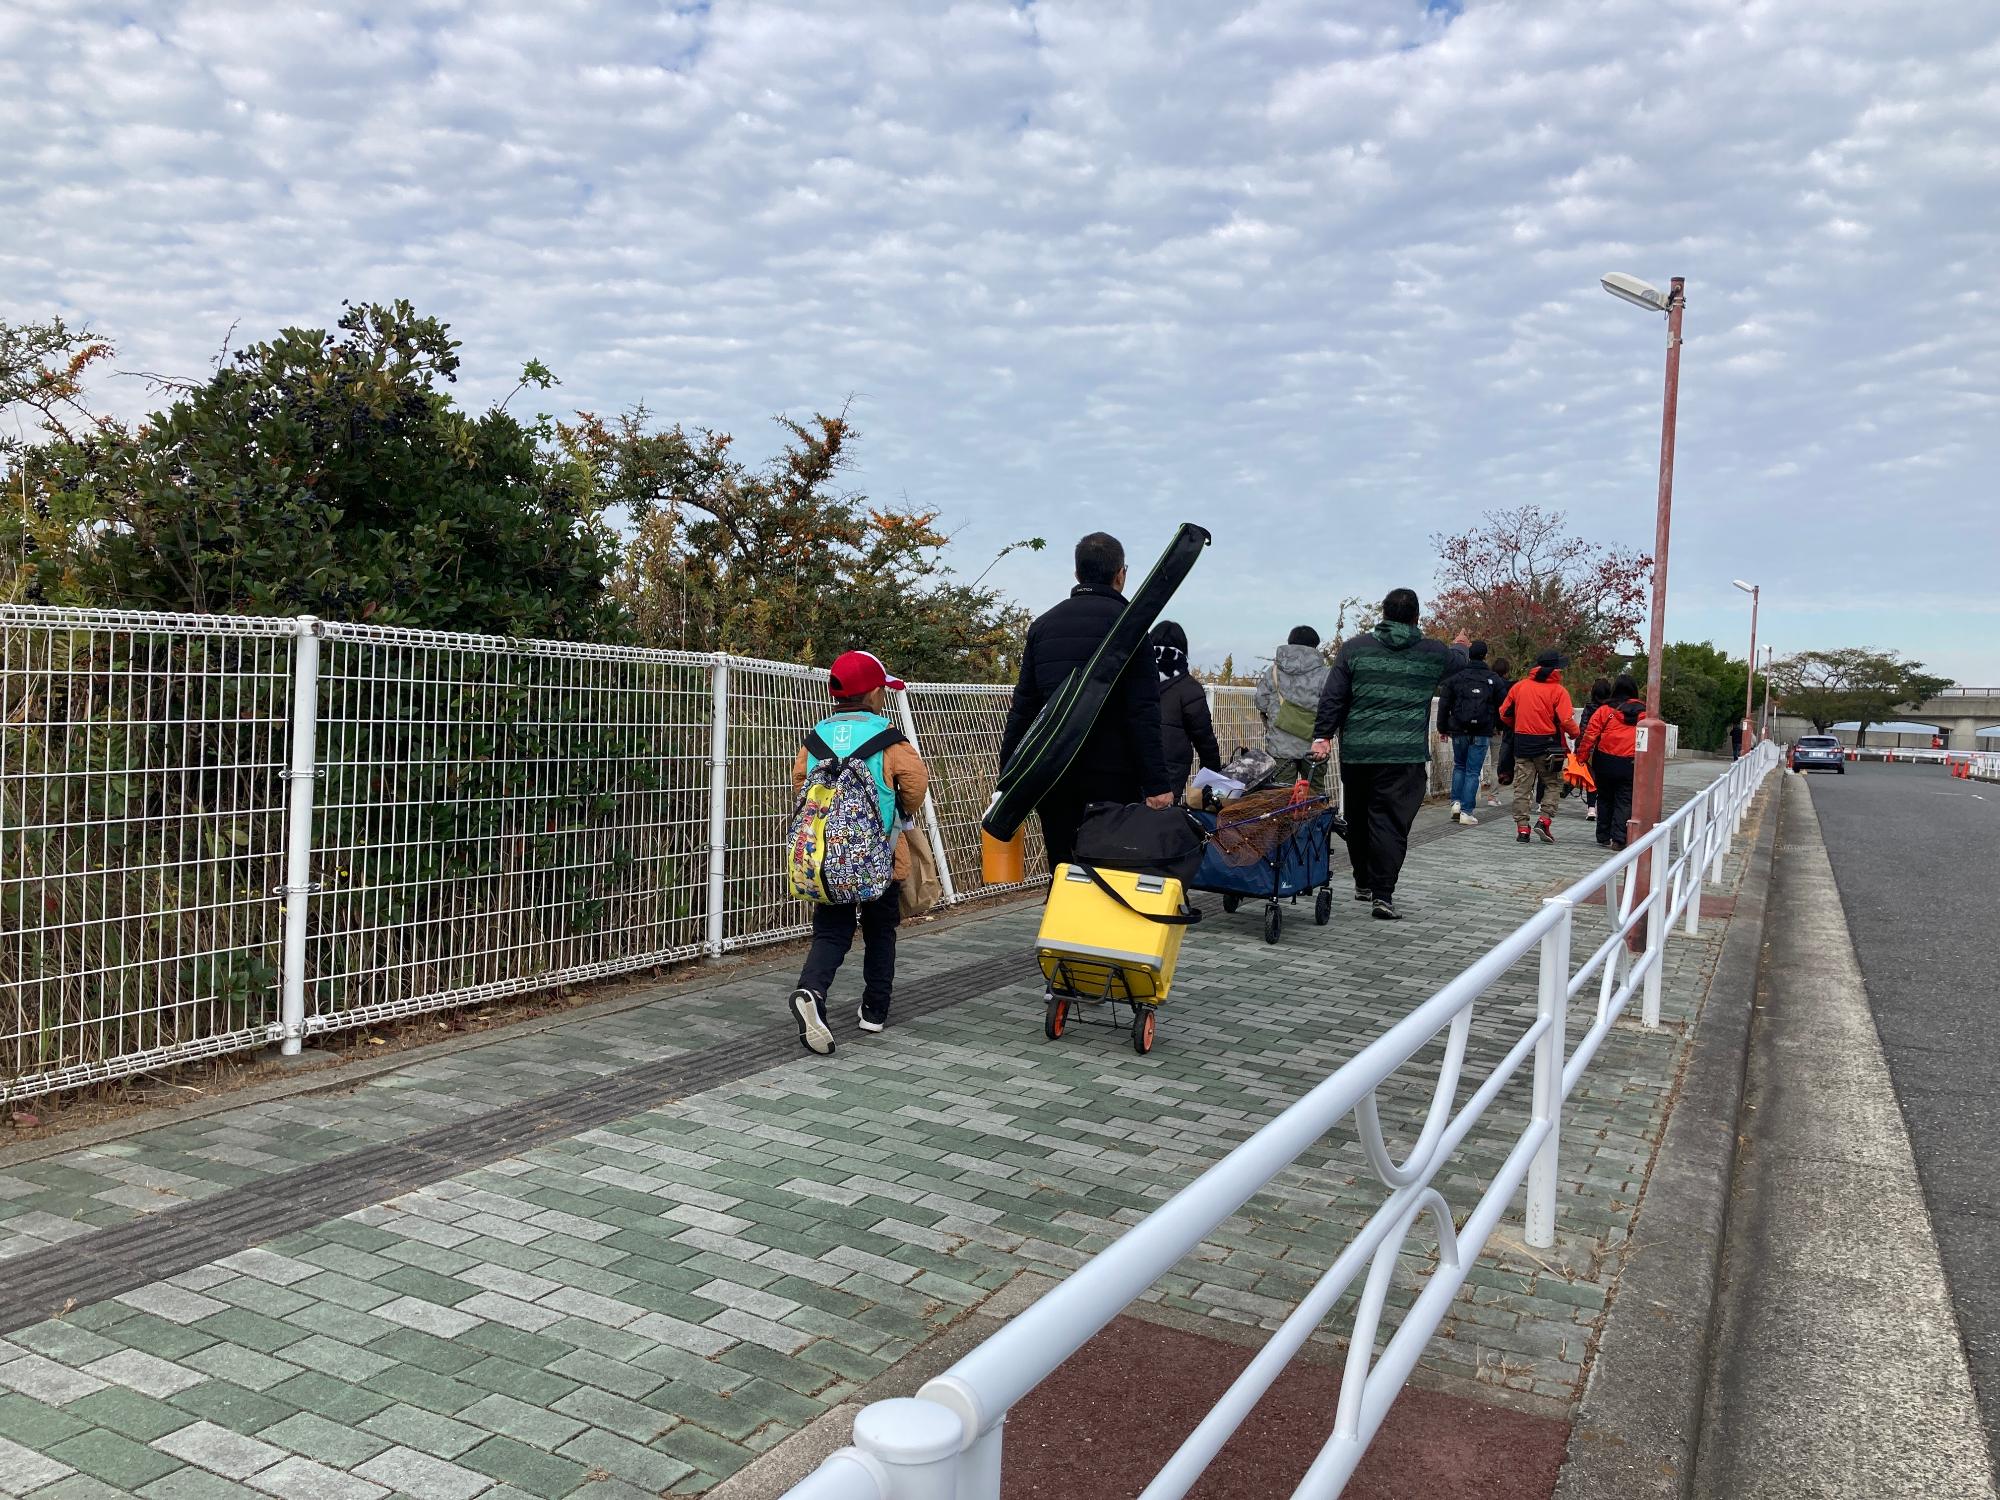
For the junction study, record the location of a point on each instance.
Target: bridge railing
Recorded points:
(945, 1443)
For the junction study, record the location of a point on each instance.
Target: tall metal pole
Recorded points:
(1649, 788)
(1750, 681)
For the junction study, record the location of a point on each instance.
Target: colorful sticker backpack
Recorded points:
(839, 851)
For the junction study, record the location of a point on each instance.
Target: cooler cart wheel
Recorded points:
(1230, 903)
(1055, 1016)
(1323, 908)
(1142, 1029)
(1274, 922)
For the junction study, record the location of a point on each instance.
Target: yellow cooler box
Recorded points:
(1093, 948)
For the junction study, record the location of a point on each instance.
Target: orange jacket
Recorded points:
(1609, 732)
(1540, 714)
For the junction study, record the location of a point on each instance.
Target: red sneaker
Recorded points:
(1543, 827)
(1521, 832)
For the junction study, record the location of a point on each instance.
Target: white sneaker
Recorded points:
(1468, 820)
(861, 1015)
(1454, 812)
(813, 1031)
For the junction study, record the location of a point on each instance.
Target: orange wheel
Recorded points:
(1054, 1017)
(1142, 1030)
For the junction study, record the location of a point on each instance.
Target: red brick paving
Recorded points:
(1090, 1433)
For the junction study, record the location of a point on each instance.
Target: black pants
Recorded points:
(833, 935)
(1380, 803)
(1061, 810)
(1613, 774)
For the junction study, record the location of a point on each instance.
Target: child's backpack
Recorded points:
(839, 853)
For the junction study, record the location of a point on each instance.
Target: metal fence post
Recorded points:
(1552, 1006)
(917, 1445)
(931, 827)
(1656, 933)
(718, 804)
(1691, 865)
(300, 781)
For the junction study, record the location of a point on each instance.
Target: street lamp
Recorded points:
(1649, 781)
(1750, 681)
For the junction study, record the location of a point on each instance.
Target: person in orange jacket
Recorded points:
(1610, 742)
(1538, 710)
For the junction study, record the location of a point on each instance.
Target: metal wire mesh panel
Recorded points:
(141, 833)
(499, 815)
(958, 729)
(772, 707)
(1234, 710)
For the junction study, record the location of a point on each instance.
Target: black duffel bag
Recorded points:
(1132, 836)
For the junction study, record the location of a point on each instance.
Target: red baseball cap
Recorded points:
(857, 673)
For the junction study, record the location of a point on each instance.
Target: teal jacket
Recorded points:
(1377, 696)
(842, 733)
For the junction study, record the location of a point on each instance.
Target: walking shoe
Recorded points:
(814, 1033)
(1385, 910)
(1521, 832)
(1467, 819)
(1360, 895)
(868, 1022)
(1456, 809)
(1546, 829)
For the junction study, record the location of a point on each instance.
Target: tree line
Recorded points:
(332, 472)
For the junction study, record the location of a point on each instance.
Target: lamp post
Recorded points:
(1750, 681)
(1650, 774)
(1770, 659)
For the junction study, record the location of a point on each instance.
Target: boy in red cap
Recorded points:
(861, 686)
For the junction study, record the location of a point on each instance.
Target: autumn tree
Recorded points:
(1852, 684)
(1523, 584)
(779, 561)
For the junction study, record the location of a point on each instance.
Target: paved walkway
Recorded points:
(626, 1255)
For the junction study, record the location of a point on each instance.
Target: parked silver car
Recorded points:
(1818, 752)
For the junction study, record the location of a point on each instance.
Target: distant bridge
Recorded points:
(1965, 718)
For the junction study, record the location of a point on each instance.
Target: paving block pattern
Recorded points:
(643, 1307)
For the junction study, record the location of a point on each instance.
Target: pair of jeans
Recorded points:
(1380, 803)
(833, 935)
(1468, 759)
(1613, 775)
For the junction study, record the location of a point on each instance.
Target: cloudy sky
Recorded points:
(1321, 276)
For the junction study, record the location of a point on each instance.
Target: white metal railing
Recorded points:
(945, 1443)
(218, 832)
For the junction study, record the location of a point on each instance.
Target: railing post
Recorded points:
(1693, 865)
(916, 1444)
(718, 804)
(931, 827)
(1656, 933)
(1552, 1006)
(300, 784)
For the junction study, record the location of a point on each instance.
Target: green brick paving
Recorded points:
(643, 1308)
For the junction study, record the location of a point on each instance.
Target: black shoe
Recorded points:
(1385, 910)
(814, 1034)
(1546, 828)
(1364, 895)
(1520, 833)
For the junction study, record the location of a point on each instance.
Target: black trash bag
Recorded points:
(1132, 836)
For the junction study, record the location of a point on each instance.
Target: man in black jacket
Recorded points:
(1122, 759)
(1468, 714)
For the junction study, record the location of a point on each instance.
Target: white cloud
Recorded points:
(1325, 283)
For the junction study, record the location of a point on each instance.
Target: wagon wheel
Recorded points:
(1323, 908)
(1055, 1016)
(1142, 1029)
(1274, 922)
(1230, 903)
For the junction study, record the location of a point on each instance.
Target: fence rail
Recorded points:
(946, 1441)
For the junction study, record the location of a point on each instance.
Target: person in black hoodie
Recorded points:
(1186, 726)
(1122, 758)
(1468, 716)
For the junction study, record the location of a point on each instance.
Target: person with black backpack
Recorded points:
(1468, 716)
(1609, 743)
(858, 782)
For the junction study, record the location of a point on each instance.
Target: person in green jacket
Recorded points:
(1377, 698)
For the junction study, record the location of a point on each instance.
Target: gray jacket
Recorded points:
(1301, 673)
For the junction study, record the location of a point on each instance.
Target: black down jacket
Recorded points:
(1187, 729)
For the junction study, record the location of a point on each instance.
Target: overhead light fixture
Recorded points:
(1748, 588)
(1633, 290)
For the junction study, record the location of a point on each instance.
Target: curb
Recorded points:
(1637, 1427)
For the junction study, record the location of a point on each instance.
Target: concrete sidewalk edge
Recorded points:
(1637, 1427)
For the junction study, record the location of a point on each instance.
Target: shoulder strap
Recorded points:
(875, 744)
(817, 748)
(1165, 919)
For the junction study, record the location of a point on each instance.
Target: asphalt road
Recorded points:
(1916, 856)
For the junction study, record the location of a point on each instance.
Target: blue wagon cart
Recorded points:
(1273, 855)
